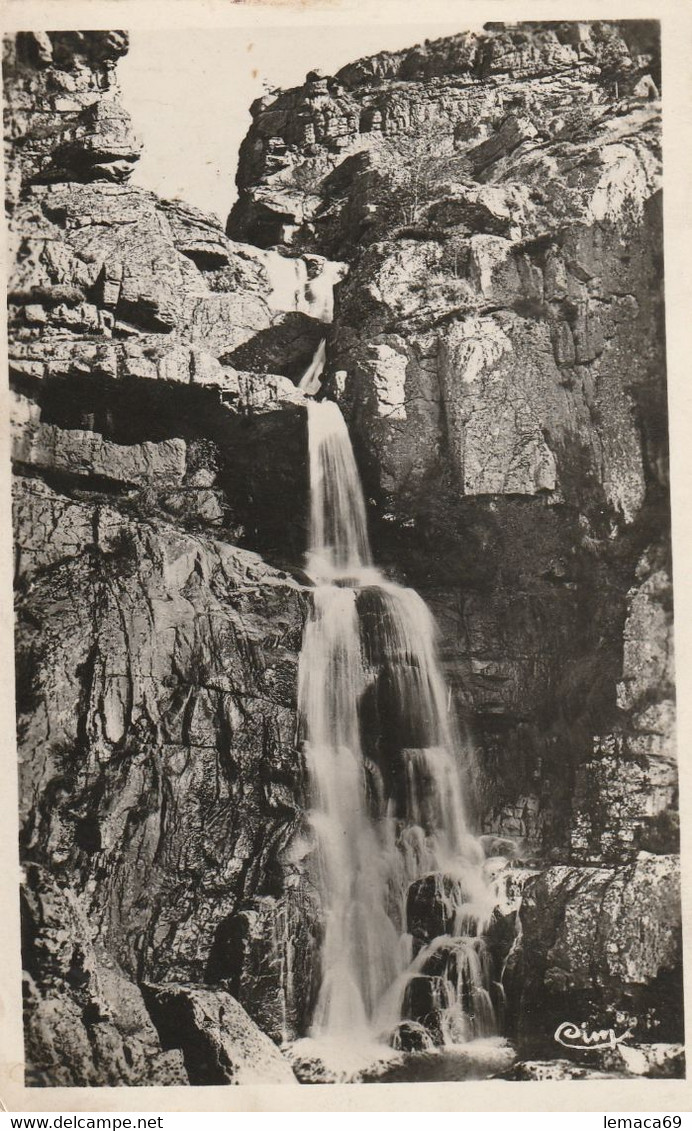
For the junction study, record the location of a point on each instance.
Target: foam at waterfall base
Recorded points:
(481, 1059)
(340, 1059)
(344, 1061)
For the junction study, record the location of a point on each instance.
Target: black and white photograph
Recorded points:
(343, 599)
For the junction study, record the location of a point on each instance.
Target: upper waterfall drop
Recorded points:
(311, 380)
(339, 544)
(303, 283)
(385, 768)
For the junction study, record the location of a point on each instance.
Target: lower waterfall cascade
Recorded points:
(385, 770)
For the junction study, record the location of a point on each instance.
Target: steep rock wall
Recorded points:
(498, 349)
(161, 790)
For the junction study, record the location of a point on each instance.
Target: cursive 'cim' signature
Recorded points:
(578, 1037)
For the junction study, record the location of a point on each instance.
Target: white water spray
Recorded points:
(385, 767)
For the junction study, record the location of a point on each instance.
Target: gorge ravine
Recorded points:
(497, 350)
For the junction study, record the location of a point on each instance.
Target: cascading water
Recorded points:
(384, 771)
(312, 378)
(296, 286)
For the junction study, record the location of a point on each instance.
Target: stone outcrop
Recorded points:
(474, 100)
(85, 1021)
(600, 947)
(156, 694)
(161, 786)
(156, 697)
(268, 948)
(220, 1043)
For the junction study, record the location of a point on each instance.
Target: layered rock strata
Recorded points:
(497, 346)
(161, 789)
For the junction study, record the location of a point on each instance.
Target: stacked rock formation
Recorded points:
(156, 660)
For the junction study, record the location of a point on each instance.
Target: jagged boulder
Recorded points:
(85, 1020)
(64, 109)
(219, 1042)
(411, 1036)
(266, 954)
(601, 947)
(433, 905)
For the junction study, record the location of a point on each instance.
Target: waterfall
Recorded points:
(339, 545)
(385, 769)
(304, 284)
(311, 380)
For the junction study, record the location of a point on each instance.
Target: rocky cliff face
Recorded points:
(161, 790)
(498, 349)
(497, 346)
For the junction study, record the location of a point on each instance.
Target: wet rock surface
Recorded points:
(265, 949)
(477, 1060)
(559, 1069)
(432, 905)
